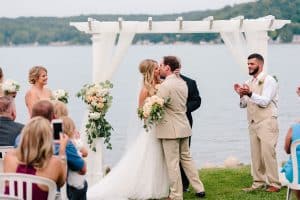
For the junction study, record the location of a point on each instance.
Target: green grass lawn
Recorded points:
(226, 183)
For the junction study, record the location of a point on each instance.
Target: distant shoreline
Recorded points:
(140, 44)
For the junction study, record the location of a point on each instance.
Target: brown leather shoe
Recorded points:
(168, 198)
(272, 189)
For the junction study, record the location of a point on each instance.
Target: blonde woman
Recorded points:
(60, 109)
(151, 78)
(141, 173)
(35, 156)
(38, 77)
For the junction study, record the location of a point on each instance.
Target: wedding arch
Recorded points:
(241, 36)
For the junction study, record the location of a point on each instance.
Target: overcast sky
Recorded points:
(16, 8)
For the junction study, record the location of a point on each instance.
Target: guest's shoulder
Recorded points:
(19, 125)
(296, 126)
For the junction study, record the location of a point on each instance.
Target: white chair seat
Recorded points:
(9, 179)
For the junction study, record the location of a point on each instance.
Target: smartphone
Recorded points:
(57, 128)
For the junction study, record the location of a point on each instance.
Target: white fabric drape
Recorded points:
(243, 44)
(106, 58)
(257, 42)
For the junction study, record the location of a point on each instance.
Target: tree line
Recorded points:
(49, 30)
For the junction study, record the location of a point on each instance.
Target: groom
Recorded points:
(174, 131)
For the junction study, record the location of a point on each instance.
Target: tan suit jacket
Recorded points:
(175, 123)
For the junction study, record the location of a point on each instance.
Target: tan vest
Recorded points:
(255, 113)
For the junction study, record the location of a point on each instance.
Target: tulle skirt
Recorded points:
(141, 173)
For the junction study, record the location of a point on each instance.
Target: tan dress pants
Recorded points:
(263, 141)
(175, 151)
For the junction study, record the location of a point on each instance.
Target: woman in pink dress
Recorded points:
(38, 78)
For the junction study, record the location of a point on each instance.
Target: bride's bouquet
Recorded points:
(98, 98)
(10, 87)
(60, 95)
(153, 110)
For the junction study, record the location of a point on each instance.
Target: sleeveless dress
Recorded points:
(288, 167)
(140, 174)
(37, 193)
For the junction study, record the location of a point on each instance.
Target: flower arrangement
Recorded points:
(153, 110)
(60, 95)
(10, 87)
(98, 98)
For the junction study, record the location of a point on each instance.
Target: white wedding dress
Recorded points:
(140, 174)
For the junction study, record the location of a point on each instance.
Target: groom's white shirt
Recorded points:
(175, 123)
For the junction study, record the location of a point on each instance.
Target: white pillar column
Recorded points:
(95, 162)
(96, 56)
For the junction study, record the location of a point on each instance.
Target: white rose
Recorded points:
(161, 102)
(94, 115)
(94, 103)
(10, 86)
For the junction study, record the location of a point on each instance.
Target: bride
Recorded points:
(141, 173)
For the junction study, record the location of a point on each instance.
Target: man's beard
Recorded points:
(254, 71)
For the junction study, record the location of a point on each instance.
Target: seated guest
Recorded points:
(34, 156)
(60, 109)
(76, 182)
(9, 129)
(38, 77)
(44, 108)
(1, 81)
(292, 135)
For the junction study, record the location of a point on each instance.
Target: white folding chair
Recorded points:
(295, 184)
(10, 179)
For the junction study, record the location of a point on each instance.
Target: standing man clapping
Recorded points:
(260, 96)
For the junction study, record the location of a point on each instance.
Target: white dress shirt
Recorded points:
(269, 93)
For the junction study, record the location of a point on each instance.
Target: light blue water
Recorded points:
(220, 127)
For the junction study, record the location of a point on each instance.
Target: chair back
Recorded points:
(295, 184)
(8, 180)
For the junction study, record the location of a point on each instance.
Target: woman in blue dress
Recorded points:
(292, 135)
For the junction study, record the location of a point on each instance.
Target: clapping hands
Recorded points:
(242, 89)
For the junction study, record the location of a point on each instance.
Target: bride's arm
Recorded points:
(143, 95)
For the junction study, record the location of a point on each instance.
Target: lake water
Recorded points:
(220, 127)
